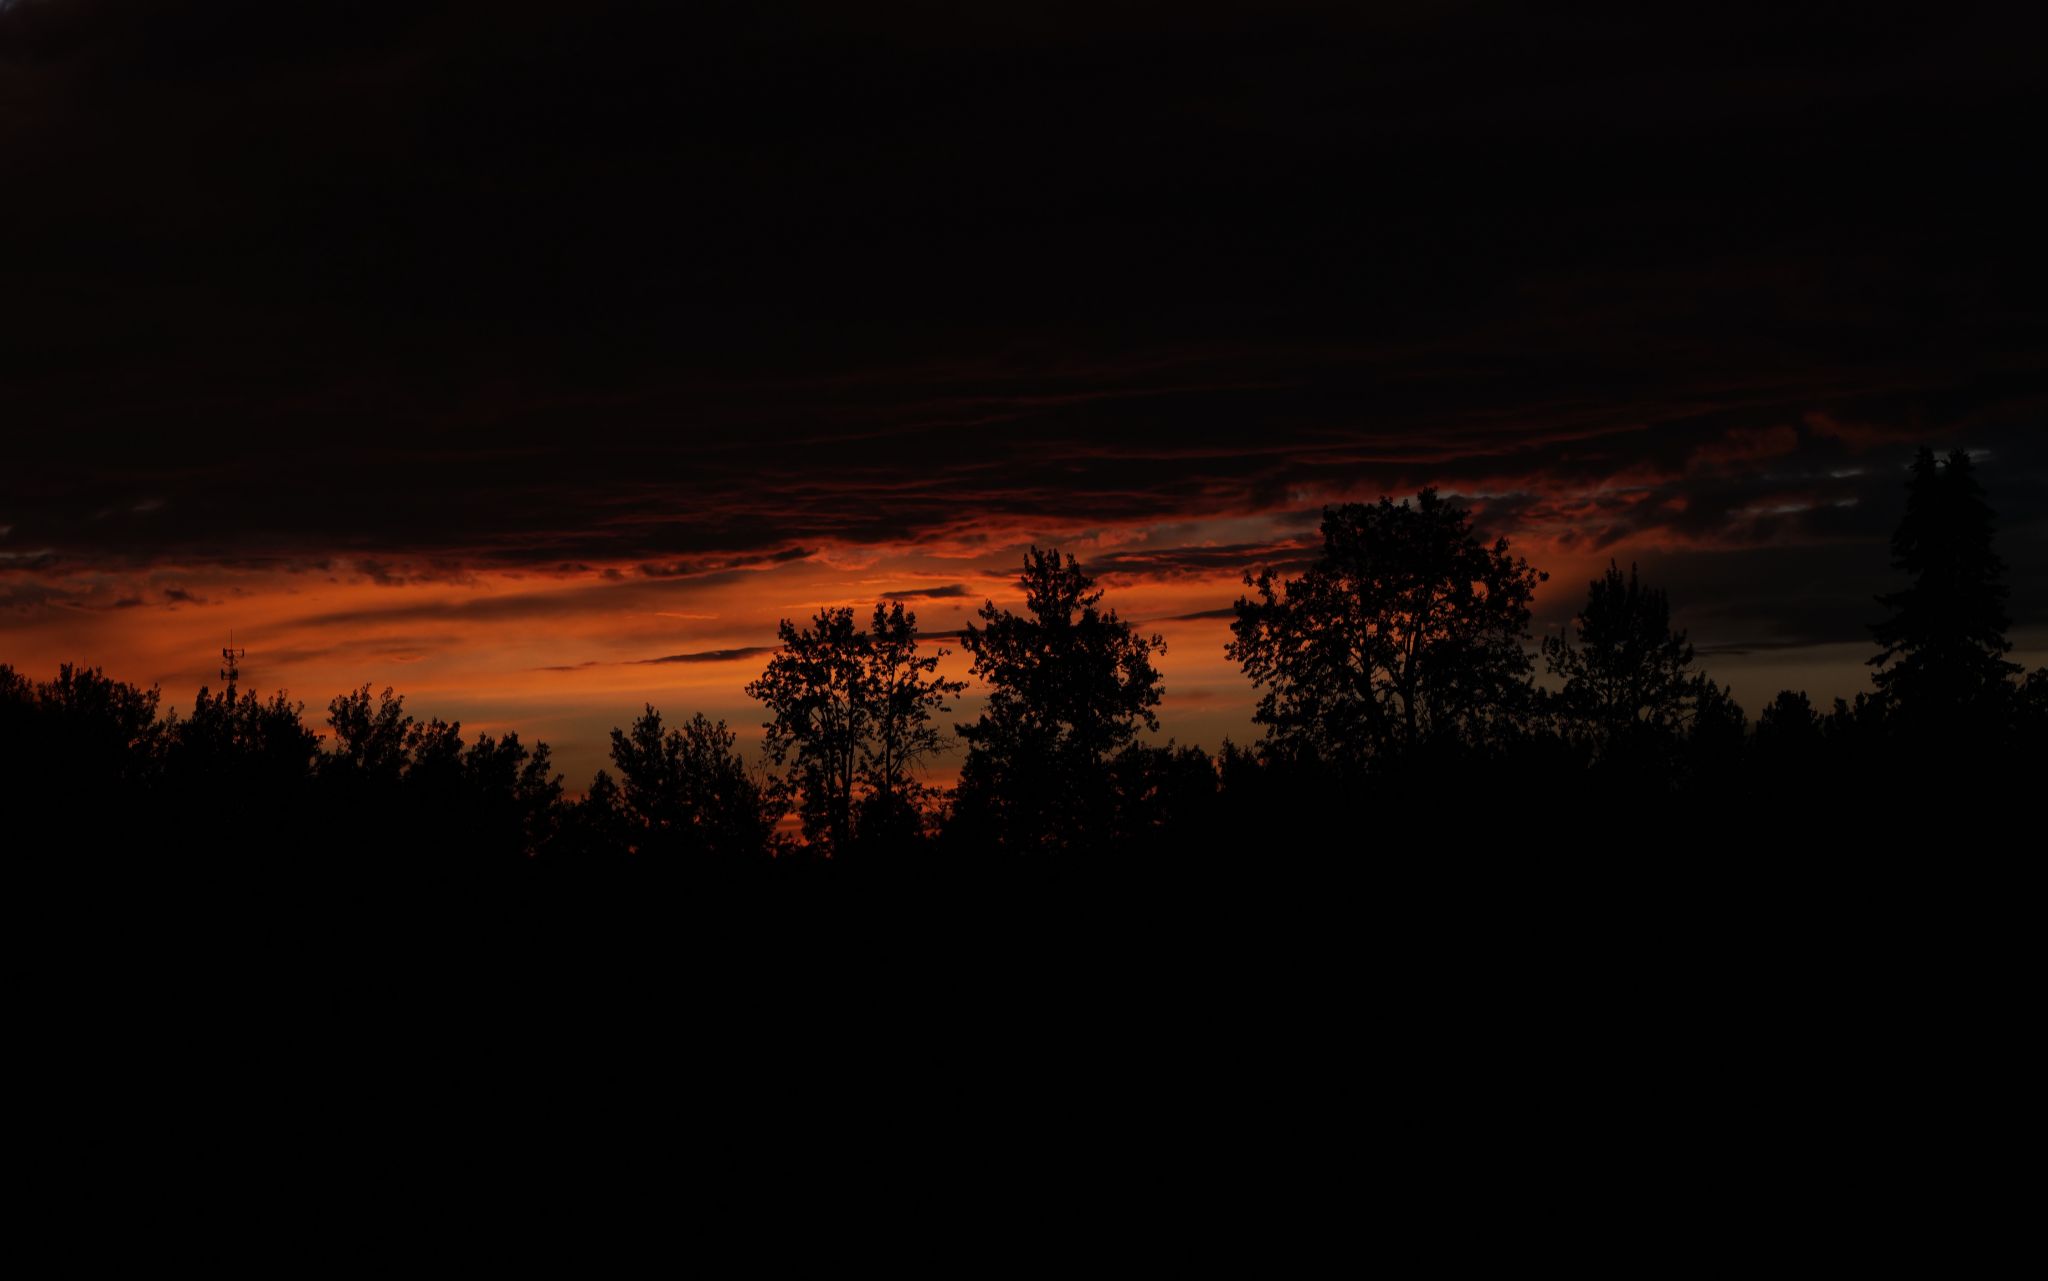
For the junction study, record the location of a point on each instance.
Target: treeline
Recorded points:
(1398, 693)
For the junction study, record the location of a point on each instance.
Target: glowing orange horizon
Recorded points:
(564, 657)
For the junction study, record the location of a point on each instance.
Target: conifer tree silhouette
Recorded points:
(1627, 680)
(1941, 651)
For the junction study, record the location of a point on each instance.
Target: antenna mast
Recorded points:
(231, 658)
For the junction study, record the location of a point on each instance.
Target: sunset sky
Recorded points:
(537, 359)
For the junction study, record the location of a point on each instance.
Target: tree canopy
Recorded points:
(1407, 631)
(1378, 669)
(1069, 685)
(684, 791)
(851, 715)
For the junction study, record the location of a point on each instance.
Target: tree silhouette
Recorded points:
(1404, 638)
(1716, 734)
(1166, 797)
(1406, 632)
(815, 689)
(1628, 680)
(1789, 728)
(494, 797)
(907, 693)
(1941, 652)
(77, 753)
(372, 741)
(512, 798)
(2030, 712)
(257, 759)
(1069, 685)
(851, 714)
(684, 792)
(599, 825)
(104, 729)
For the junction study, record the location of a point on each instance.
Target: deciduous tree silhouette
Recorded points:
(256, 761)
(247, 781)
(851, 714)
(494, 797)
(1408, 631)
(372, 741)
(1941, 661)
(512, 796)
(104, 729)
(1069, 686)
(1166, 798)
(907, 693)
(599, 826)
(685, 792)
(77, 752)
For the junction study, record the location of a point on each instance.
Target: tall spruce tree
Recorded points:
(1941, 653)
